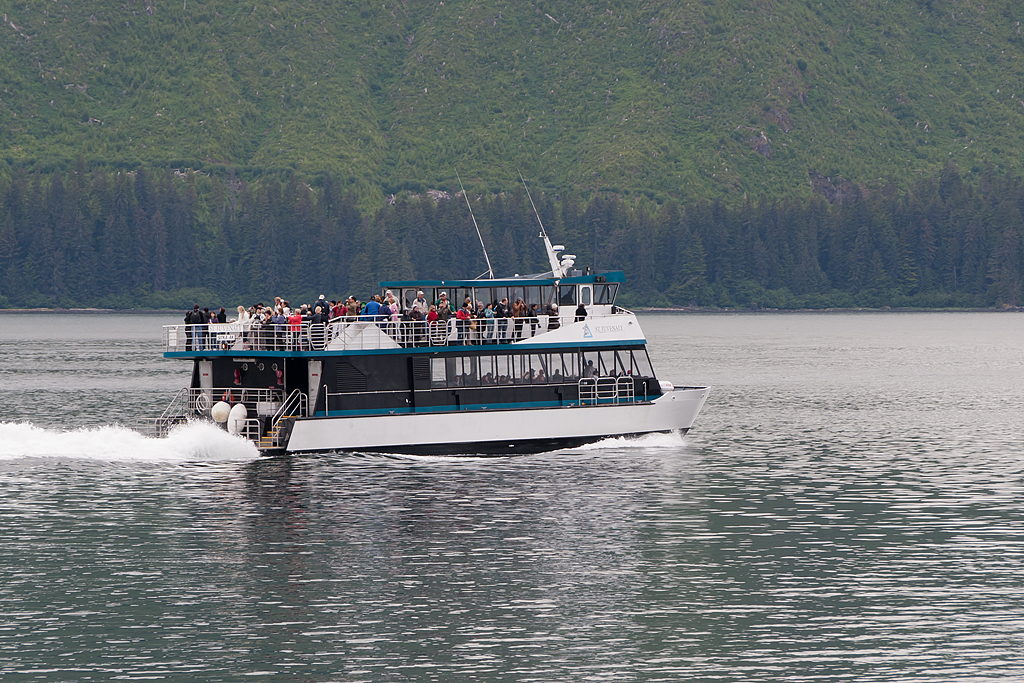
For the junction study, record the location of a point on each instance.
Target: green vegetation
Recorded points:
(143, 239)
(683, 100)
(781, 154)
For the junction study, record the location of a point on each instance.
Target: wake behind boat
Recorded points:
(561, 367)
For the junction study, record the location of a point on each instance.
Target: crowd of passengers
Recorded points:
(279, 327)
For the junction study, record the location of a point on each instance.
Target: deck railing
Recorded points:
(345, 334)
(594, 390)
(195, 402)
(296, 405)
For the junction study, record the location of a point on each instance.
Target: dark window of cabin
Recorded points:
(642, 364)
(604, 294)
(540, 367)
(460, 297)
(505, 370)
(488, 377)
(623, 364)
(608, 367)
(465, 372)
(567, 295)
(571, 367)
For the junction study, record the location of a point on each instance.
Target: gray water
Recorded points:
(847, 507)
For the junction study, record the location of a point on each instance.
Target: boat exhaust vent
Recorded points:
(348, 378)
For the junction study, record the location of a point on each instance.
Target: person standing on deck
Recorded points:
(502, 313)
(191, 319)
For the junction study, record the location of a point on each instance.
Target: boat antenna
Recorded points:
(556, 269)
(490, 271)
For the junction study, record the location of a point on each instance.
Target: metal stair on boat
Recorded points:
(280, 426)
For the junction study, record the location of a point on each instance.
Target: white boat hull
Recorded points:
(497, 431)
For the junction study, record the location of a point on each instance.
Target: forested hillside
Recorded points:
(664, 99)
(727, 153)
(142, 239)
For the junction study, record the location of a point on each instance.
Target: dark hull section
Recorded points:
(491, 448)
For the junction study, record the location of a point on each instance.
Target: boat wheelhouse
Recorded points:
(486, 386)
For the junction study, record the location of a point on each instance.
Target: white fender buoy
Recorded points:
(220, 411)
(237, 418)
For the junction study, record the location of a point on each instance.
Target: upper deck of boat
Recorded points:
(612, 326)
(554, 323)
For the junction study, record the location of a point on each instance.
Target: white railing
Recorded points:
(195, 403)
(346, 334)
(245, 337)
(296, 405)
(594, 390)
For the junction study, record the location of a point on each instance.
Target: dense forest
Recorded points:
(160, 238)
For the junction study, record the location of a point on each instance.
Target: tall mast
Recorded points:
(490, 271)
(556, 269)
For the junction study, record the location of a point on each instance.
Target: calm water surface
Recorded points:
(847, 507)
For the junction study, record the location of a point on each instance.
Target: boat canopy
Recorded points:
(598, 289)
(616, 276)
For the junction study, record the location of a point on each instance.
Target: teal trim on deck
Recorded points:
(415, 350)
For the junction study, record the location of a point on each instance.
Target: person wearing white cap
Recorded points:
(420, 304)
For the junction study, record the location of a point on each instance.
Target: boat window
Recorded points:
(533, 296)
(591, 366)
(585, 295)
(522, 373)
(642, 364)
(540, 367)
(499, 293)
(547, 295)
(567, 295)
(515, 293)
(503, 369)
(462, 372)
(607, 366)
(604, 294)
(408, 296)
(557, 369)
(571, 367)
(437, 373)
(460, 297)
(487, 374)
(623, 364)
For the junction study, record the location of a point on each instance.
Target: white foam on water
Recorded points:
(187, 443)
(656, 440)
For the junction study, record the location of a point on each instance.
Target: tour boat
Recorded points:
(576, 374)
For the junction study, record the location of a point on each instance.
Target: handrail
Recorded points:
(175, 413)
(275, 436)
(363, 333)
(595, 390)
